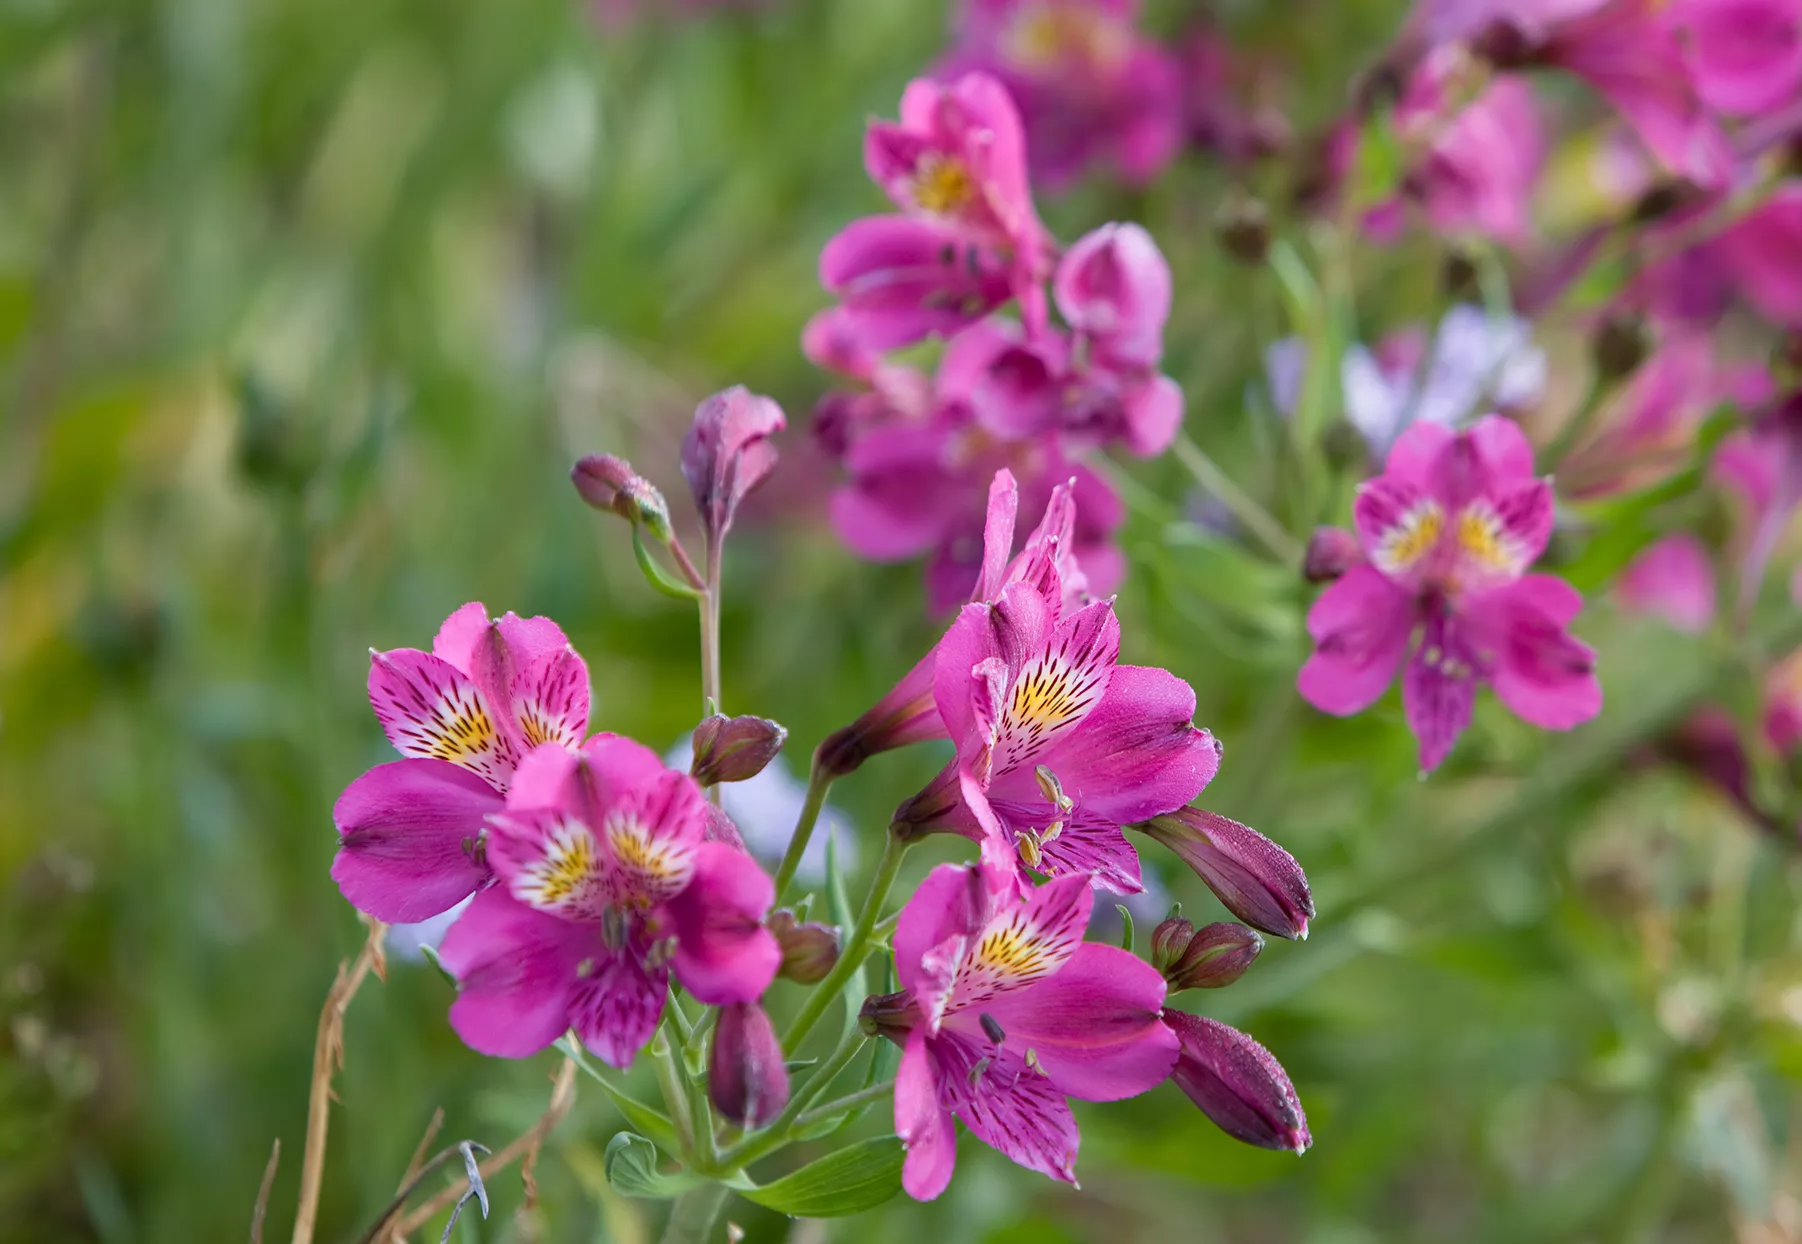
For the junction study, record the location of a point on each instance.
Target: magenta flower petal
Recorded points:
(1238, 1084)
(1541, 673)
(1672, 579)
(723, 952)
(998, 533)
(1439, 687)
(949, 903)
(1094, 1026)
(544, 776)
(1763, 251)
(616, 1004)
(1744, 55)
(1113, 287)
(924, 1125)
(1361, 626)
(432, 710)
(409, 829)
(901, 280)
(1006, 1104)
(516, 971)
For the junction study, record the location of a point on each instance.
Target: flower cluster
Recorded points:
(1025, 394)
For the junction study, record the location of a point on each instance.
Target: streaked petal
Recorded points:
(549, 700)
(1093, 1026)
(616, 1004)
(1058, 685)
(516, 970)
(430, 709)
(408, 832)
(551, 862)
(1024, 942)
(1543, 674)
(1007, 1105)
(1438, 689)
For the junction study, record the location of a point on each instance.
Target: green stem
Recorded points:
(1255, 517)
(856, 946)
(818, 784)
(845, 1104)
(1577, 426)
(675, 1096)
(691, 1220)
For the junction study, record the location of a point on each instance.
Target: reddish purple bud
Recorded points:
(1216, 955)
(1168, 941)
(1238, 1084)
(1331, 552)
(1257, 880)
(747, 1078)
(733, 749)
(727, 453)
(610, 483)
(891, 1015)
(808, 949)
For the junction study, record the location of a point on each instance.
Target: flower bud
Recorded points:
(1619, 347)
(1259, 882)
(732, 749)
(1168, 941)
(1331, 552)
(1216, 956)
(891, 1015)
(1114, 287)
(1243, 226)
(747, 1078)
(610, 483)
(808, 949)
(1238, 1084)
(727, 453)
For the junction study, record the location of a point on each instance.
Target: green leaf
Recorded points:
(659, 577)
(631, 1166)
(1126, 928)
(850, 1181)
(651, 1122)
(856, 985)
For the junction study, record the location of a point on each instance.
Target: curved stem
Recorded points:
(675, 1096)
(818, 784)
(691, 1220)
(778, 1133)
(847, 1103)
(1257, 520)
(856, 946)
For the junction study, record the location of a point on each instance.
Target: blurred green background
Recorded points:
(305, 308)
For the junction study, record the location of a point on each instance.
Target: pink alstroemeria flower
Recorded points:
(1478, 168)
(957, 157)
(1673, 579)
(607, 885)
(1006, 1013)
(907, 714)
(1627, 50)
(901, 280)
(1058, 746)
(1744, 55)
(464, 715)
(1091, 88)
(1449, 529)
(1762, 255)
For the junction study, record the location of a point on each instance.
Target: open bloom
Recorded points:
(607, 885)
(463, 715)
(1006, 1013)
(1092, 88)
(1058, 746)
(1744, 55)
(1449, 529)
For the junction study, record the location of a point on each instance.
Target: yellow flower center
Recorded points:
(1053, 36)
(942, 185)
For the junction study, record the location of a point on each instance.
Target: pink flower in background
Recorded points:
(907, 713)
(1216, 112)
(1761, 470)
(1058, 746)
(1745, 56)
(1449, 529)
(464, 715)
(900, 280)
(1006, 1013)
(1762, 254)
(1672, 580)
(1091, 88)
(1782, 719)
(606, 885)
(957, 156)
(1477, 172)
(1627, 50)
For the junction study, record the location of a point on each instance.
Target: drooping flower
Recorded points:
(747, 1078)
(1092, 89)
(1005, 1013)
(1673, 579)
(1058, 746)
(607, 886)
(1449, 529)
(908, 714)
(1238, 1084)
(464, 715)
(1252, 876)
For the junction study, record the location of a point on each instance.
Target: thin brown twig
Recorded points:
(262, 1209)
(328, 1057)
(563, 1096)
(393, 1236)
